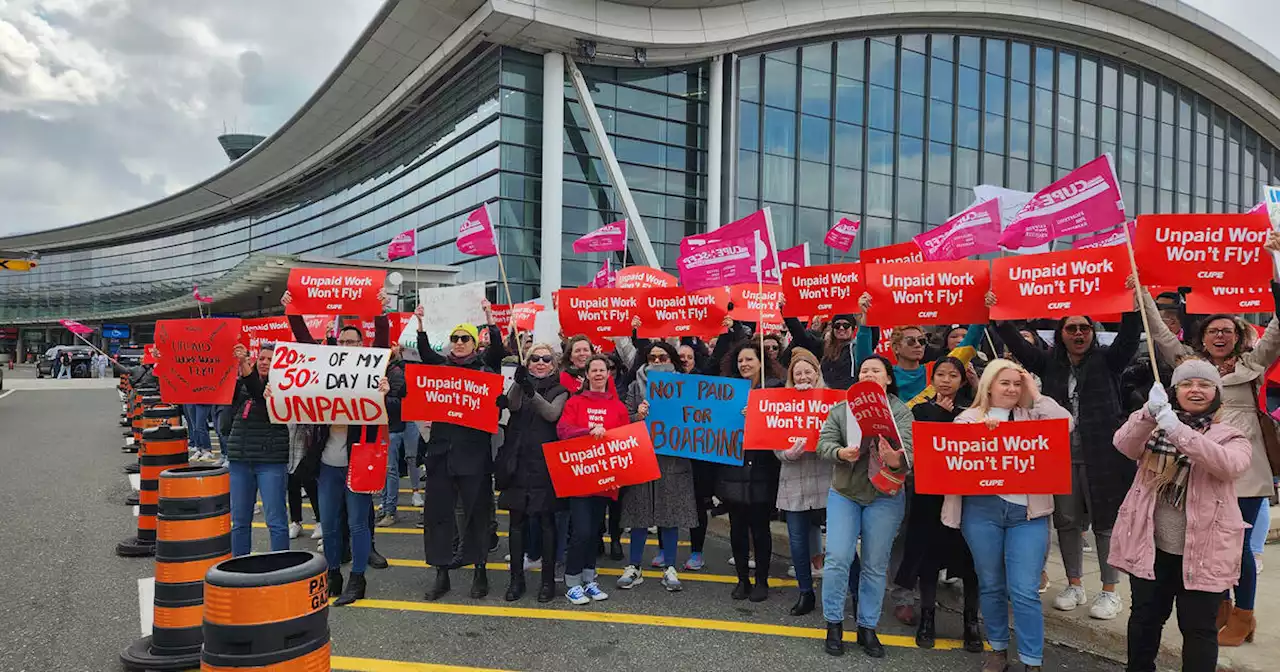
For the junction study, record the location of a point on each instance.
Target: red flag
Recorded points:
(75, 327)
(608, 238)
(1088, 199)
(403, 245)
(476, 235)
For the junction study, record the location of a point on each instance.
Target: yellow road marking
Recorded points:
(347, 664)
(616, 618)
(413, 530)
(613, 571)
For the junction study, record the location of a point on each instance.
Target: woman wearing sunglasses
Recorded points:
(1083, 376)
(536, 402)
(836, 346)
(911, 347)
(459, 467)
(666, 503)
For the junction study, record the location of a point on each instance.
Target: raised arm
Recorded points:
(1168, 347)
(1032, 358)
(426, 352)
(1268, 347)
(800, 336)
(1122, 350)
(495, 353)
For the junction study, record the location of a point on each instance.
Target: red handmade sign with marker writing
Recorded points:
(776, 418)
(452, 394)
(1027, 457)
(1073, 282)
(335, 291)
(832, 289)
(931, 292)
(197, 362)
(255, 332)
(327, 385)
(587, 465)
(1203, 251)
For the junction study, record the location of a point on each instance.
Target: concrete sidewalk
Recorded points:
(1108, 638)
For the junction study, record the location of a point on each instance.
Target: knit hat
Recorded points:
(1197, 368)
(847, 317)
(469, 329)
(803, 355)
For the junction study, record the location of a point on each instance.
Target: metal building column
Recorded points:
(610, 165)
(552, 259)
(715, 141)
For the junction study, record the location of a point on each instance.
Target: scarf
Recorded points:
(1172, 469)
(1228, 365)
(463, 361)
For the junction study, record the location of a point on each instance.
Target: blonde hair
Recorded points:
(541, 346)
(799, 355)
(982, 398)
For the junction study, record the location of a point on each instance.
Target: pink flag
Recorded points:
(1115, 236)
(792, 257)
(195, 292)
(605, 277)
(476, 236)
(718, 263)
(1086, 200)
(974, 231)
(842, 234)
(756, 226)
(405, 244)
(608, 238)
(75, 327)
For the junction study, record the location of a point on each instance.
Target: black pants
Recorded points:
(614, 524)
(953, 554)
(474, 495)
(296, 486)
(749, 526)
(517, 547)
(1152, 604)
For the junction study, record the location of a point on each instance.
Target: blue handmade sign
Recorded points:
(698, 417)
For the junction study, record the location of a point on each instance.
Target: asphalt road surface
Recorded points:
(70, 604)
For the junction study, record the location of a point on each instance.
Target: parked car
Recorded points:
(81, 357)
(129, 355)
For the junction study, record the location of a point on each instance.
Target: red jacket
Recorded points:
(589, 408)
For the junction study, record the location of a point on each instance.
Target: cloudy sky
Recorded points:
(106, 105)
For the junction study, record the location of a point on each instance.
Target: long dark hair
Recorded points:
(729, 368)
(566, 360)
(964, 393)
(892, 388)
(1203, 326)
(665, 347)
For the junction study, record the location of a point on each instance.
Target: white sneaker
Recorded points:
(751, 562)
(576, 595)
(671, 580)
(317, 533)
(295, 530)
(1070, 598)
(1106, 606)
(418, 500)
(631, 577)
(257, 508)
(593, 591)
(530, 564)
(320, 546)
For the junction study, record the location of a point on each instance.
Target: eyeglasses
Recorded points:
(1077, 329)
(660, 359)
(842, 325)
(911, 341)
(771, 348)
(545, 359)
(460, 338)
(349, 341)
(1215, 333)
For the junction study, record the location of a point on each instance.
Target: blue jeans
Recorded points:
(247, 480)
(335, 499)
(670, 537)
(586, 514)
(1247, 586)
(1258, 535)
(198, 426)
(1008, 556)
(391, 495)
(877, 524)
(800, 526)
(64, 373)
(218, 412)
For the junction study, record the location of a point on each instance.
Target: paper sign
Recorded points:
(642, 277)
(1086, 200)
(776, 418)
(676, 312)
(327, 385)
(842, 235)
(319, 326)
(597, 312)
(1203, 251)
(869, 409)
(1027, 457)
(698, 417)
(822, 290)
(931, 292)
(341, 291)
(446, 307)
(587, 465)
(907, 252)
(546, 328)
(452, 394)
(197, 361)
(972, 232)
(255, 332)
(1073, 282)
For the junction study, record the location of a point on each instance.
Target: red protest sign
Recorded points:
(1203, 251)
(869, 408)
(452, 394)
(319, 325)
(501, 317)
(672, 311)
(524, 314)
(597, 312)
(776, 418)
(634, 277)
(931, 292)
(822, 290)
(255, 332)
(149, 354)
(751, 301)
(1218, 299)
(335, 290)
(197, 362)
(587, 465)
(1027, 457)
(907, 252)
(1086, 281)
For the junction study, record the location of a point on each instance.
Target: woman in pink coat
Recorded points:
(1174, 536)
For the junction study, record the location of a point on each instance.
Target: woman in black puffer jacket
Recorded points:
(257, 456)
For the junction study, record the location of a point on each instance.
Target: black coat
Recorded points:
(253, 437)
(395, 395)
(463, 451)
(1101, 410)
(756, 481)
(838, 373)
(520, 471)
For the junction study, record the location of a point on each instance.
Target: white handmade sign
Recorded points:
(327, 385)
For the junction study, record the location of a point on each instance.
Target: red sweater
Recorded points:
(589, 408)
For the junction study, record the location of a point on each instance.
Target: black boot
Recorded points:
(870, 643)
(441, 585)
(804, 604)
(479, 583)
(835, 639)
(742, 590)
(515, 587)
(926, 634)
(972, 632)
(335, 582)
(376, 560)
(354, 591)
(615, 550)
(760, 592)
(547, 591)
(600, 548)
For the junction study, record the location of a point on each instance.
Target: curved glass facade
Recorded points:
(895, 130)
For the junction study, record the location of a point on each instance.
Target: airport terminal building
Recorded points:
(565, 115)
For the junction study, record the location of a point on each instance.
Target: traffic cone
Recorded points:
(163, 447)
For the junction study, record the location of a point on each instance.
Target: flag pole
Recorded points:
(626, 238)
(502, 270)
(1142, 307)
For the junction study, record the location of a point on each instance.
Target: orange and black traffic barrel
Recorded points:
(163, 447)
(152, 415)
(193, 533)
(267, 612)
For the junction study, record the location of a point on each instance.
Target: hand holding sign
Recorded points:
(1028, 457)
(327, 385)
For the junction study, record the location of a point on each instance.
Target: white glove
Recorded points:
(1167, 419)
(1157, 399)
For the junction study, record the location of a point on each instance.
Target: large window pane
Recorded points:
(995, 94)
(882, 109)
(970, 88)
(883, 66)
(880, 156)
(913, 72)
(941, 74)
(848, 190)
(849, 100)
(968, 127)
(779, 84)
(911, 115)
(813, 184)
(749, 78)
(779, 132)
(851, 59)
(848, 145)
(815, 138)
(939, 121)
(778, 179)
(748, 174)
(817, 93)
(879, 195)
(910, 158)
(939, 163)
(749, 126)
(910, 196)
